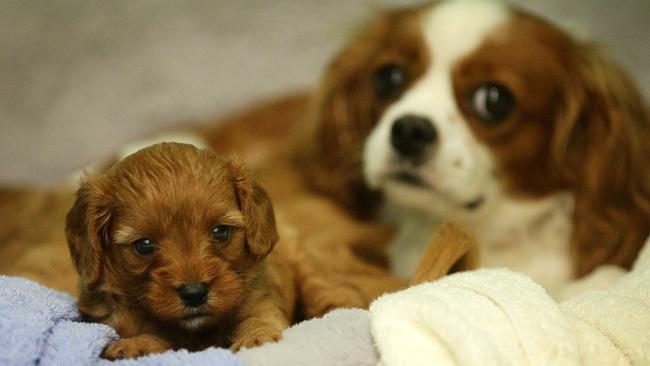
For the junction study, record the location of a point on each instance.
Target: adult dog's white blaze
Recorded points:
(460, 168)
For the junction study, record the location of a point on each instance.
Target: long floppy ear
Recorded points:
(87, 231)
(256, 206)
(604, 148)
(345, 108)
(341, 114)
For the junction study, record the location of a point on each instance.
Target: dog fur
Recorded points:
(175, 194)
(558, 189)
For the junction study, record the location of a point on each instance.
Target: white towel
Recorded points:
(499, 317)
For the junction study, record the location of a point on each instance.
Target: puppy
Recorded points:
(170, 245)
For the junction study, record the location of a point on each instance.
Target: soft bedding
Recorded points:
(487, 317)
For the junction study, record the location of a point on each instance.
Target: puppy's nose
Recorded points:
(411, 135)
(193, 294)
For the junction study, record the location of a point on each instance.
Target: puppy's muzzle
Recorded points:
(194, 294)
(411, 136)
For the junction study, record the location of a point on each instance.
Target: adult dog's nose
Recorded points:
(193, 294)
(411, 135)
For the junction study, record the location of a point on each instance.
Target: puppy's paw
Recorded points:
(255, 338)
(135, 347)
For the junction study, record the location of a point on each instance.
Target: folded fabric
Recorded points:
(499, 317)
(341, 338)
(40, 326)
(484, 317)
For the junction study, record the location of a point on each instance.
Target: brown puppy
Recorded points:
(169, 244)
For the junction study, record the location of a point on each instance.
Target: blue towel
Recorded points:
(40, 326)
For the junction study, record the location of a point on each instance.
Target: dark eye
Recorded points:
(492, 103)
(144, 246)
(221, 233)
(389, 81)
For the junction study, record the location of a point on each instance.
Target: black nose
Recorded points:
(411, 135)
(193, 294)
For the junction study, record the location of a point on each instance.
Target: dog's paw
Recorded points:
(135, 347)
(255, 339)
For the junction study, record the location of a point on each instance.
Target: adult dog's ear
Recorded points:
(603, 147)
(346, 107)
(87, 231)
(255, 204)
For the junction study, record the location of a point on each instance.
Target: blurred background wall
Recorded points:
(79, 78)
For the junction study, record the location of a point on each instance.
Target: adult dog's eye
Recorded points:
(221, 233)
(492, 103)
(389, 81)
(144, 246)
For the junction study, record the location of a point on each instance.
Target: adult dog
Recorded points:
(472, 111)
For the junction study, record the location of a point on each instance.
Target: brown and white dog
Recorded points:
(476, 111)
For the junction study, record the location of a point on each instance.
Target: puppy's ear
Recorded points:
(87, 231)
(602, 146)
(255, 204)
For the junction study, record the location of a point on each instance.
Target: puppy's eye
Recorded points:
(492, 103)
(389, 81)
(144, 246)
(221, 233)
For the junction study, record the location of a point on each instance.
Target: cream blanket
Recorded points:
(499, 317)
